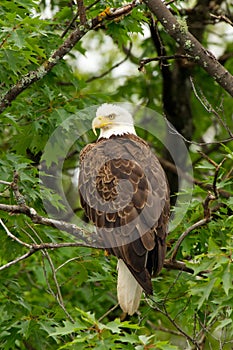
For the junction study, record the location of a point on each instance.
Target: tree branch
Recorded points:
(191, 45)
(82, 12)
(209, 108)
(112, 68)
(185, 234)
(207, 210)
(145, 61)
(78, 232)
(35, 75)
(70, 228)
(34, 247)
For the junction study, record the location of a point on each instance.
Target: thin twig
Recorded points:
(209, 108)
(173, 131)
(185, 234)
(45, 254)
(186, 335)
(70, 24)
(16, 239)
(222, 18)
(108, 312)
(67, 262)
(2, 182)
(145, 61)
(175, 169)
(15, 261)
(110, 69)
(163, 329)
(207, 211)
(173, 322)
(209, 160)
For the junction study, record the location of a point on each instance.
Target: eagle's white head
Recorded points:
(113, 120)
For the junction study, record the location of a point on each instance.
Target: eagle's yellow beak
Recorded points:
(99, 122)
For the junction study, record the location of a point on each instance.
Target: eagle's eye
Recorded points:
(111, 116)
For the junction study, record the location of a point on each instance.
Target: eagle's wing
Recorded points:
(124, 192)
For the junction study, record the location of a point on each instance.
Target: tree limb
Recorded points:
(37, 74)
(70, 228)
(191, 45)
(78, 232)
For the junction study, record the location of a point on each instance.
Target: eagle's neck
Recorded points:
(117, 130)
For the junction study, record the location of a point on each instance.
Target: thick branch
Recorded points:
(191, 45)
(85, 236)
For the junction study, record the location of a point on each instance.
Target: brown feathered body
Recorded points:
(124, 192)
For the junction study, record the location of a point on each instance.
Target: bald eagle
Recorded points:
(124, 193)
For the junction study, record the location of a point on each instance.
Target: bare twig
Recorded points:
(222, 18)
(209, 108)
(207, 211)
(173, 131)
(16, 239)
(145, 61)
(211, 161)
(110, 69)
(2, 182)
(217, 168)
(206, 206)
(34, 247)
(70, 24)
(164, 312)
(15, 261)
(175, 169)
(108, 312)
(163, 329)
(45, 254)
(185, 234)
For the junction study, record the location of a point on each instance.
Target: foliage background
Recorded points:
(57, 299)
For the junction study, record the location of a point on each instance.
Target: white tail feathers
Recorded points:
(129, 290)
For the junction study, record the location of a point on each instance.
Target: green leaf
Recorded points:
(224, 323)
(227, 278)
(206, 292)
(68, 328)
